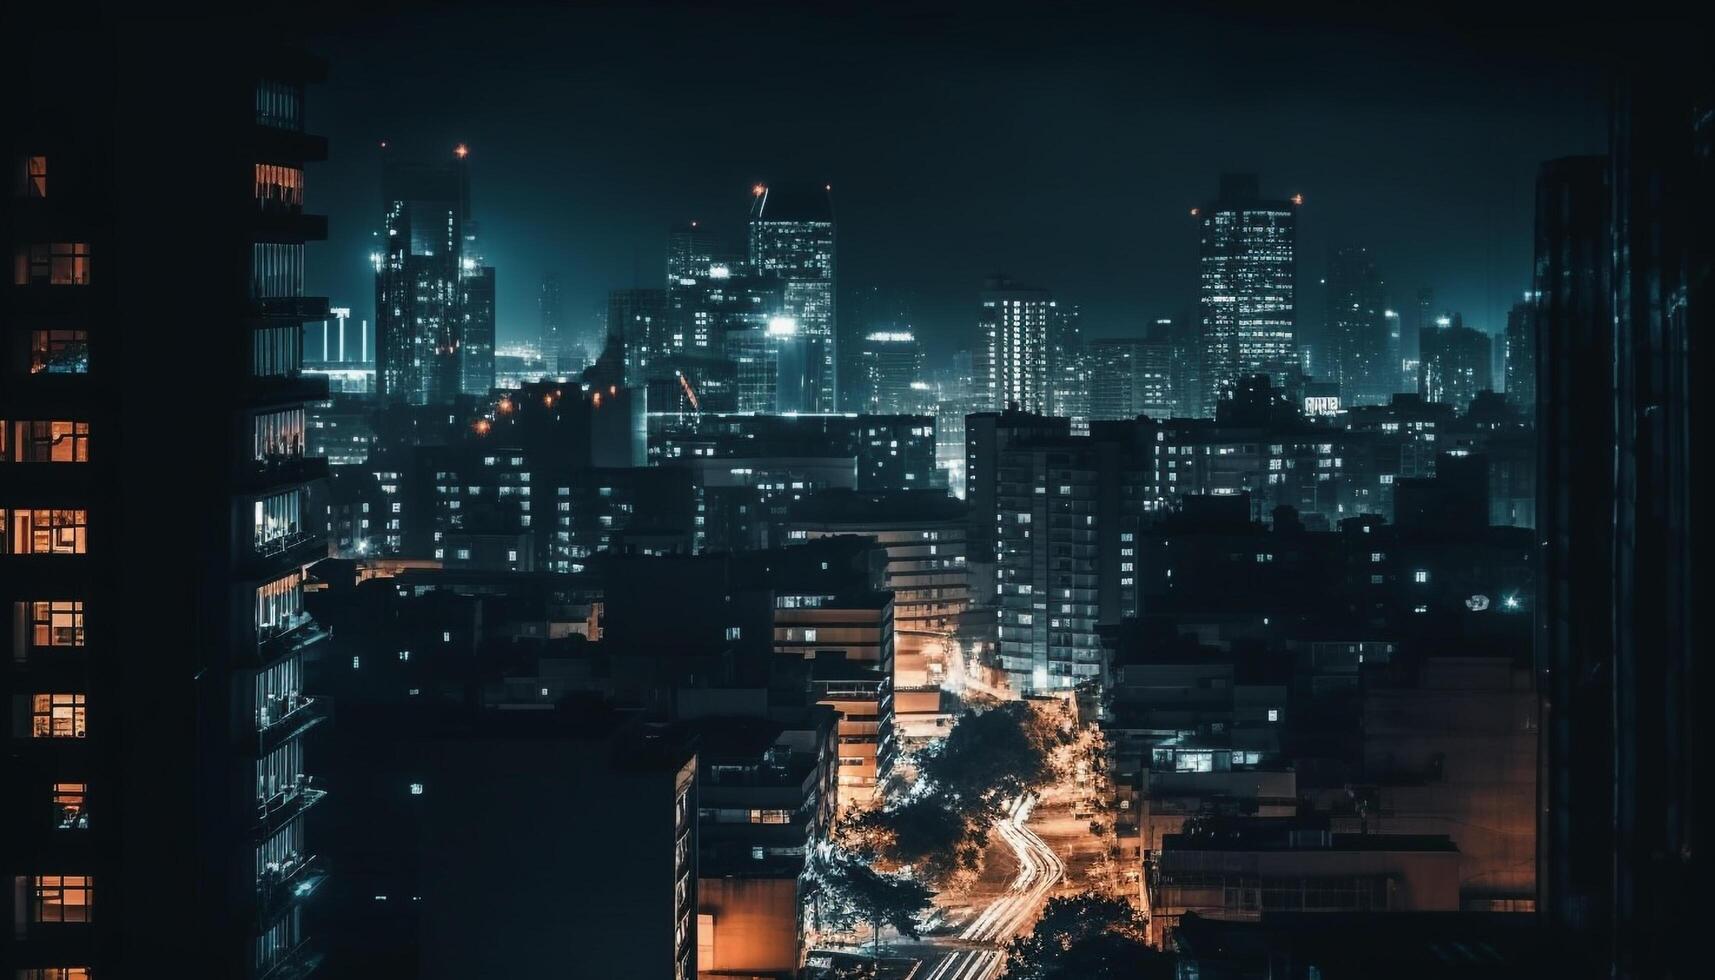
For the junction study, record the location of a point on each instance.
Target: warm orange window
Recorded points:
(71, 806)
(45, 532)
(46, 441)
(57, 716)
(279, 186)
(53, 264)
(56, 623)
(35, 177)
(64, 898)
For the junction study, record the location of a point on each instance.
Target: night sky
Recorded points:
(1063, 144)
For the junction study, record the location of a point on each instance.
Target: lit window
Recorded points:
(43, 532)
(52, 264)
(45, 442)
(57, 716)
(33, 177)
(1420, 576)
(54, 973)
(1274, 714)
(71, 806)
(56, 623)
(59, 352)
(62, 898)
(416, 789)
(810, 636)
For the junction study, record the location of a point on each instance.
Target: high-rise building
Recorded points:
(1247, 270)
(1129, 378)
(1624, 262)
(1521, 355)
(156, 799)
(888, 367)
(1014, 324)
(1362, 357)
(865, 311)
(1456, 363)
(1067, 362)
(694, 258)
(419, 270)
(792, 240)
(476, 346)
(639, 318)
(555, 332)
(1419, 321)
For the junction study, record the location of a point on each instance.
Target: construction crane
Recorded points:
(685, 383)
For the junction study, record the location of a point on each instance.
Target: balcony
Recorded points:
(280, 887)
(292, 307)
(282, 551)
(283, 469)
(287, 718)
(296, 963)
(288, 636)
(280, 223)
(286, 805)
(284, 144)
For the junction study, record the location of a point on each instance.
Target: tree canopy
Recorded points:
(1089, 935)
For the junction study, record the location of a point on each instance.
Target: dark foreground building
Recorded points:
(156, 778)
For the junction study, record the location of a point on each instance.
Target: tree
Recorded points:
(1089, 935)
(992, 755)
(851, 890)
(942, 845)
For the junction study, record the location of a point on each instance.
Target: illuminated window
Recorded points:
(54, 973)
(771, 816)
(45, 442)
(52, 264)
(62, 898)
(1420, 576)
(57, 716)
(71, 806)
(1274, 714)
(59, 352)
(55, 623)
(33, 177)
(43, 532)
(279, 187)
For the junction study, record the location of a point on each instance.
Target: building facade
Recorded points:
(1247, 264)
(791, 238)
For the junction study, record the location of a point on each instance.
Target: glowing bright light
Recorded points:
(1195, 212)
(482, 427)
(1443, 321)
(757, 190)
(1511, 602)
(719, 272)
(461, 151)
(1298, 198)
(782, 326)
(891, 337)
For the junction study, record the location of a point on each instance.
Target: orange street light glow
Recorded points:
(461, 151)
(1298, 198)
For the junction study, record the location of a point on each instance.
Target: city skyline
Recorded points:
(1094, 205)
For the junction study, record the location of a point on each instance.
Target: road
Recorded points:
(979, 950)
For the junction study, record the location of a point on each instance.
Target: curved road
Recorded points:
(982, 943)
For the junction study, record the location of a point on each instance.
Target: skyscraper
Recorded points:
(1456, 363)
(792, 239)
(419, 297)
(476, 346)
(1067, 362)
(1362, 357)
(1013, 323)
(1419, 321)
(157, 791)
(639, 318)
(555, 333)
(889, 362)
(1521, 355)
(1247, 270)
(1129, 378)
(694, 258)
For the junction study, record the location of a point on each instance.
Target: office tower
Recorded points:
(1455, 363)
(1129, 378)
(1623, 264)
(1067, 362)
(1013, 327)
(864, 311)
(1521, 355)
(555, 335)
(157, 778)
(1419, 321)
(639, 318)
(419, 308)
(694, 257)
(1358, 332)
(792, 240)
(476, 347)
(1247, 264)
(888, 366)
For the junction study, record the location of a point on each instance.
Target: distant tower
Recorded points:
(555, 335)
(419, 308)
(1521, 355)
(1014, 322)
(1248, 265)
(1456, 363)
(792, 239)
(1358, 329)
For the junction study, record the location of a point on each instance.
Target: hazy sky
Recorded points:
(1063, 144)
